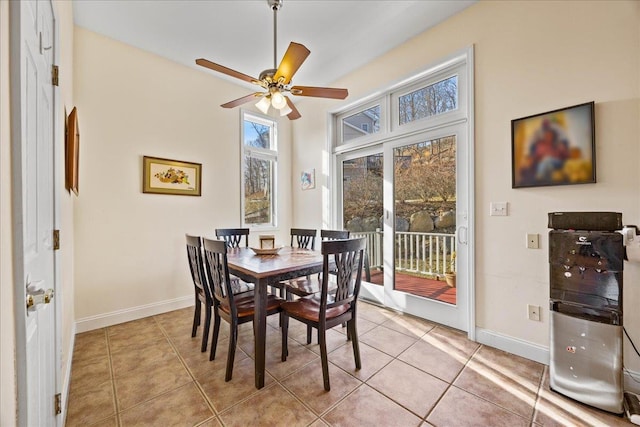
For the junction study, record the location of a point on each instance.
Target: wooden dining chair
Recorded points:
(202, 292)
(235, 309)
(308, 285)
(330, 308)
(304, 238)
(233, 236)
(233, 239)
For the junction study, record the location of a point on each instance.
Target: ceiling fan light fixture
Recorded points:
(278, 101)
(285, 111)
(264, 104)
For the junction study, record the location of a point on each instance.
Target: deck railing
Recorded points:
(415, 252)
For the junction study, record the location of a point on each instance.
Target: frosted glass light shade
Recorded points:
(278, 101)
(263, 104)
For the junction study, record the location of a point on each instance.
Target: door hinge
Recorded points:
(56, 240)
(58, 403)
(54, 75)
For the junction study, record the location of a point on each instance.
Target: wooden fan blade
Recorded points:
(294, 114)
(242, 100)
(224, 70)
(291, 61)
(320, 92)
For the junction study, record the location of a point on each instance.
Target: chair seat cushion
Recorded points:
(246, 306)
(309, 308)
(304, 286)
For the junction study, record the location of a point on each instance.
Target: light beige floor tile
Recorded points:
(136, 358)
(272, 406)
(89, 372)
(367, 407)
(89, 345)
(504, 379)
(182, 406)
(409, 325)
(334, 340)
(372, 360)
(223, 395)
(459, 408)
(307, 385)
(374, 313)
(362, 325)
(409, 387)
(298, 357)
(441, 352)
(90, 404)
(387, 340)
(139, 385)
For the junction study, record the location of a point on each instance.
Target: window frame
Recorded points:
(338, 136)
(267, 154)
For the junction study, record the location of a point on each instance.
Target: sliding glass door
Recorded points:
(408, 198)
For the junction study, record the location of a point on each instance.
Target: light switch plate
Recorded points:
(498, 209)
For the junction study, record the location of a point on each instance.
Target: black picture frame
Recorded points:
(554, 148)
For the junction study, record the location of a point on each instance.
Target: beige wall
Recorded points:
(530, 57)
(132, 103)
(64, 217)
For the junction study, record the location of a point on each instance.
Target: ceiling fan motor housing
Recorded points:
(275, 4)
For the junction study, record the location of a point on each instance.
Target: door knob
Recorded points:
(36, 295)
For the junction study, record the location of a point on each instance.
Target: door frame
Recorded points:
(16, 121)
(463, 56)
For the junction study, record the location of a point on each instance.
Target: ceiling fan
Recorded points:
(276, 81)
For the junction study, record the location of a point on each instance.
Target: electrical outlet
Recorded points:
(533, 312)
(533, 241)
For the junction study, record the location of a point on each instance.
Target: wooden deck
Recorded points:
(429, 288)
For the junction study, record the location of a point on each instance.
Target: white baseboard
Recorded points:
(540, 354)
(513, 345)
(133, 313)
(66, 381)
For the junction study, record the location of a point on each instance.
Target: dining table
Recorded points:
(264, 270)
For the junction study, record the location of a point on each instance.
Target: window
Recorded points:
(364, 122)
(259, 162)
(429, 101)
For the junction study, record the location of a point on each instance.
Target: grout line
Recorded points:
(113, 376)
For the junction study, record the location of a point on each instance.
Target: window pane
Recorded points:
(429, 101)
(258, 181)
(257, 135)
(362, 193)
(360, 124)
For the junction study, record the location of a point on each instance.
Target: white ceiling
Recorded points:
(342, 35)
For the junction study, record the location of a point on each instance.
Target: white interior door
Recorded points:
(34, 177)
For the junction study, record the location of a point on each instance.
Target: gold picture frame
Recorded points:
(166, 176)
(72, 152)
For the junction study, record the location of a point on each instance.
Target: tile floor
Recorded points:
(150, 372)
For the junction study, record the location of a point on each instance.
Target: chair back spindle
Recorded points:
(233, 236)
(304, 238)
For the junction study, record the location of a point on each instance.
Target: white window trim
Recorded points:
(463, 59)
(262, 154)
